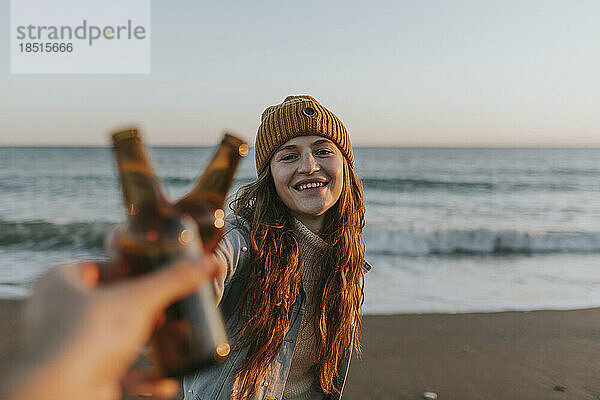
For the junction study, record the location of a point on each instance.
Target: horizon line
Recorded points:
(399, 146)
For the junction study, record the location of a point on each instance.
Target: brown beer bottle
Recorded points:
(190, 334)
(204, 203)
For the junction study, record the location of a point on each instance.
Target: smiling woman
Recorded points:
(308, 173)
(292, 264)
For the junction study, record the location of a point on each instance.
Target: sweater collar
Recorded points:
(307, 237)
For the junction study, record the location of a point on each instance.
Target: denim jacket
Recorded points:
(216, 382)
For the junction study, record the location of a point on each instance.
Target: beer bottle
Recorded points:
(190, 334)
(204, 203)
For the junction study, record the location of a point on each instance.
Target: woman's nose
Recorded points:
(308, 164)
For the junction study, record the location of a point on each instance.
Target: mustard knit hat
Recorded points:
(298, 116)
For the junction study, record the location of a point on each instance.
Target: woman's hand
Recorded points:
(81, 339)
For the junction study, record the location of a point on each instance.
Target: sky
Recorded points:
(397, 73)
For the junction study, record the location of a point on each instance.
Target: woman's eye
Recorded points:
(323, 152)
(288, 157)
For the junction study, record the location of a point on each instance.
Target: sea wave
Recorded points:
(415, 185)
(421, 242)
(44, 235)
(177, 181)
(182, 181)
(15, 183)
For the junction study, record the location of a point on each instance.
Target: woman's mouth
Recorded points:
(308, 186)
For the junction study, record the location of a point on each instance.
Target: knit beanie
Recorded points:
(298, 116)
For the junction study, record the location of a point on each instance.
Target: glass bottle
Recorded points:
(190, 334)
(205, 202)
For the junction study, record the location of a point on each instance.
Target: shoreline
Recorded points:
(469, 356)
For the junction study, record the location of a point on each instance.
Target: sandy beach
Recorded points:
(508, 355)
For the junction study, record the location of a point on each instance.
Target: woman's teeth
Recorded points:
(310, 185)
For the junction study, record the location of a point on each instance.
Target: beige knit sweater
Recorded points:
(302, 381)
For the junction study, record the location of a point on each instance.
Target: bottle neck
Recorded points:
(141, 187)
(215, 181)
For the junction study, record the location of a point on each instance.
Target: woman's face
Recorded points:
(308, 172)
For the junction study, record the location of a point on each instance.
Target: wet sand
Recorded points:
(508, 355)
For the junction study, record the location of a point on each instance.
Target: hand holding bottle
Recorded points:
(81, 339)
(191, 334)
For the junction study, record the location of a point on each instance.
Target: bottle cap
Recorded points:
(128, 134)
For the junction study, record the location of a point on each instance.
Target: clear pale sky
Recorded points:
(459, 73)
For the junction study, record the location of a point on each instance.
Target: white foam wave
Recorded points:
(417, 242)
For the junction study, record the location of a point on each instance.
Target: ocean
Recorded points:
(448, 229)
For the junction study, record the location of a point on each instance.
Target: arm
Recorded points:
(81, 339)
(232, 252)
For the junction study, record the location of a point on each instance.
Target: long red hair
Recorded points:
(274, 280)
